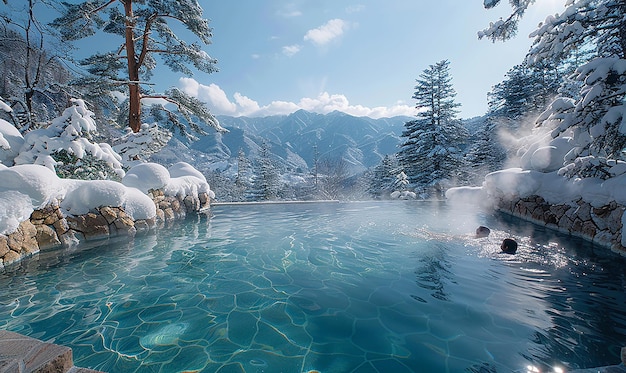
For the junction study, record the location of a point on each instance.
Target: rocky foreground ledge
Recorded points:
(50, 228)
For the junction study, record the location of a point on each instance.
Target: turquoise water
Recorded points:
(335, 287)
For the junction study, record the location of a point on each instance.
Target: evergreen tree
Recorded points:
(525, 92)
(242, 178)
(593, 121)
(266, 180)
(431, 154)
(383, 177)
(143, 28)
(487, 154)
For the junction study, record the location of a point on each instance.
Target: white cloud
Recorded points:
(327, 32)
(212, 94)
(324, 103)
(290, 50)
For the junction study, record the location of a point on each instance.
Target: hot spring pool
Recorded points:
(329, 287)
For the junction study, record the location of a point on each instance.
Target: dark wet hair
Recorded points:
(482, 231)
(509, 246)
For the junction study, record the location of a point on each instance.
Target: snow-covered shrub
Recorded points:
(401, 185)
(68, 139)
(69, 166)
(591, 166)
(137, 147)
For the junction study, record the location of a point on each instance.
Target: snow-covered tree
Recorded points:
(67, 147)
(487, 152)
(137, 147)
(525, 91)
(401, 186)
(242, 178)
(594, 122)
(266, 179)
(431, 154)
(383, 177)
(144, 33)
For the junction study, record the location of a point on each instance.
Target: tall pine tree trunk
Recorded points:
(134, 113)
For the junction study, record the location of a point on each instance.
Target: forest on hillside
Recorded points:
(562, 109)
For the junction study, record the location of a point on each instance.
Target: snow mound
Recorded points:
(138, 205)
(10, 142)
(15, 208)
(466, 196)
(93, 194)
(185, 169)
(187, 186)
(39, 183)
(146, 176)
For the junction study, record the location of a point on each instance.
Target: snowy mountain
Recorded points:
(296, 140)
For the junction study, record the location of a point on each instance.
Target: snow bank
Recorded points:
(25, 188)
(553, 188)
(186, 181)
(39, 183)
(15, 208)
(10, 142)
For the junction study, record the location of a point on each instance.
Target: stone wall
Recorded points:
(50, 228)
(601, 225)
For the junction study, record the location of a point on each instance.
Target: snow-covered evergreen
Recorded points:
(383, 178)
(266, 179)
(431, 154)
(68, 138)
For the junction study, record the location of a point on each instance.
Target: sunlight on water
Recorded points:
(354, 287)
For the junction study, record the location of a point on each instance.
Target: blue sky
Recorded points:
(361, 57)
(357, 56)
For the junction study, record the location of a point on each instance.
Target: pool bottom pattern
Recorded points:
(199, 301)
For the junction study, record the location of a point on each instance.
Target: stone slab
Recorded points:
(19, 353)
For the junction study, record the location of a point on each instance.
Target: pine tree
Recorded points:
(525, 92)
(383, 177)
(144, 32)
(266, 180)
(487, 154)
(242, 178)
(431, 154)
(594, 119)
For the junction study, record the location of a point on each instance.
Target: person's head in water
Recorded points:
(482, 231)
(508, 246)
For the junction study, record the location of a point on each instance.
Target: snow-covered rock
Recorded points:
(146, 176)
(185, 169)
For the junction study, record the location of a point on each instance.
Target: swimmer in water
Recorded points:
(482, 231)
(508, 246)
